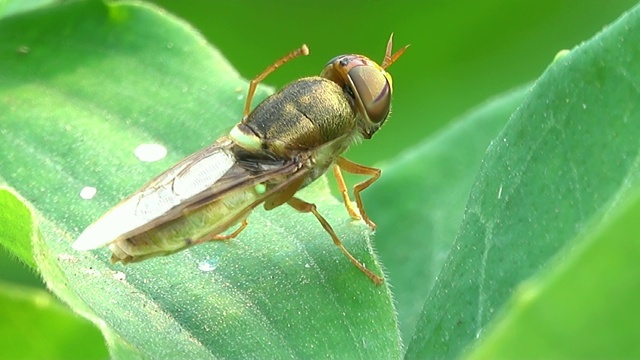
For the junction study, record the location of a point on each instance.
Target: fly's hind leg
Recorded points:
(351, 167)
(219, 237)
(235, 233)
(306, 207)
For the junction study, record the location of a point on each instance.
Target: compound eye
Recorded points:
(373, 90)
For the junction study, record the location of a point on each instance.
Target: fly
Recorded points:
(288, 141)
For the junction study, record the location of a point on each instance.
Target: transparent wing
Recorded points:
(195, 181)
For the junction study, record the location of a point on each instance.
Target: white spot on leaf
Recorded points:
(119, 275)
(150, 152)
(88, 192)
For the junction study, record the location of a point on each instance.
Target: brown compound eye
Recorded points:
(373, 91)
(365, 82)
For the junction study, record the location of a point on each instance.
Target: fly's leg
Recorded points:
(235, 233)
(345, 193)
(302, 51)
(351, 167)
(218, 237)
(306, 207)
(284, 194)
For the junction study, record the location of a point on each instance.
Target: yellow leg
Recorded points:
(345, 193)
(218, 237)
(303, 50)
(306, 207)
(358, 169)
(233, 234)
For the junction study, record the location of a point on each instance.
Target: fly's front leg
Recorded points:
(345, 193)
(302, 51)
(351, 167)
(306, 207)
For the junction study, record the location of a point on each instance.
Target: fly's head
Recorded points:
(367, 85)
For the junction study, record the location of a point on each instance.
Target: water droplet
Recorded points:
(88, 192)
(241, 96)
(208, 265)
(150, 152)
(169, 45)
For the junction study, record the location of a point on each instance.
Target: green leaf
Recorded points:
(89, 83)
(565, 160)
(16, 225)
(584, 306)
(35, 326)
(428, 188)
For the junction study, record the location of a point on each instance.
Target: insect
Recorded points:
(288, 141)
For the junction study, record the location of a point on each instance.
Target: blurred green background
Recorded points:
(462, 53)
